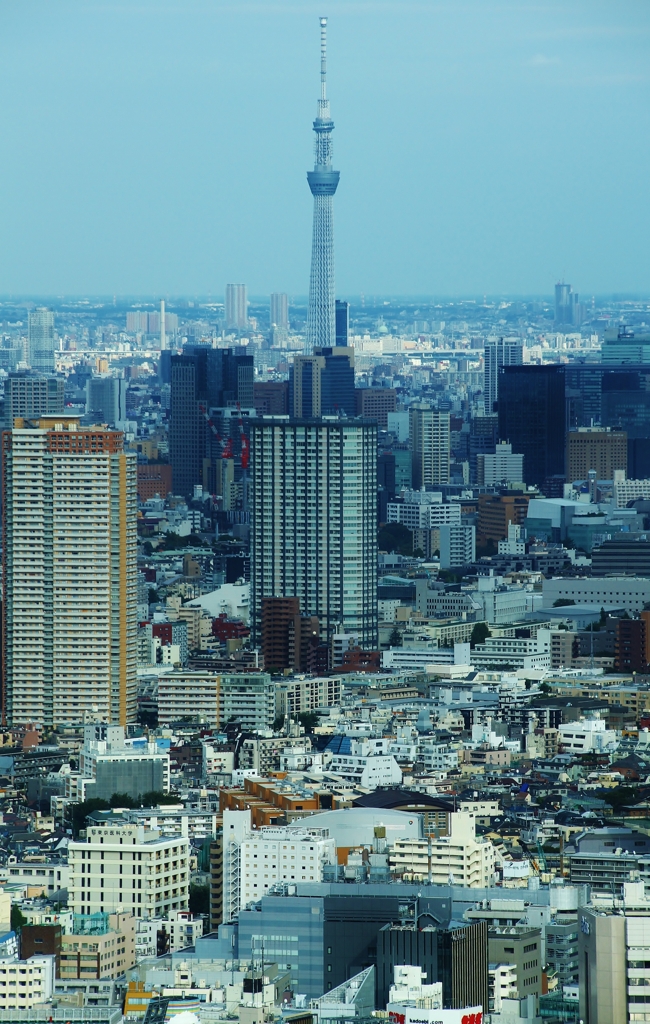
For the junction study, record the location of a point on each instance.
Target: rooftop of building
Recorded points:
(397, 797)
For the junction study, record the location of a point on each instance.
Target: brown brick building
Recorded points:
(154, 478)
(595, 448)
(271, 397)
(497, 511)
(287, 636)
(376, 403)
(633, 644)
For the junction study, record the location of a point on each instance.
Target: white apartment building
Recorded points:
(366, 763)
(423, 510)
(516, 542)
(69, 571)
(216, 762)
(586, 735)
(216, 698)
(499, 352)
(128, 867)
(51, 877)
(417, 658)
(340, 643)
(500, 467)
(435, 755)
(457, 545)
(253, 861)
(629, 490)
(457, 859)
(191, 695)
(502, 985)
(175, 820)
(25, 983)
(512, 653)
(181, 927)
(249, 699)
(308, 693)
(500, 602)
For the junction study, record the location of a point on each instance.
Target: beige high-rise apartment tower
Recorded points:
(430, 442)
(69, 613)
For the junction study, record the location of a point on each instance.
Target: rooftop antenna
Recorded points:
(323, 60)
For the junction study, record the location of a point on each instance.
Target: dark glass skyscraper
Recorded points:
(532, 417)
(323, 384)
(342, 323)
(202, 378)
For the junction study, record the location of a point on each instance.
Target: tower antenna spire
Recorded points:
(323, 182)
(323, 59)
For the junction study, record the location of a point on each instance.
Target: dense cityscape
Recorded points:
(325, 653)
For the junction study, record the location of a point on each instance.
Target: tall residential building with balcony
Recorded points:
(499, 352)
(456, 859)
(255, 860)
(31, 395)
(314, 521)
(40, 331)
(280, 310)
(69, 615)
(129, 868)
(236, 306)
(430, 441)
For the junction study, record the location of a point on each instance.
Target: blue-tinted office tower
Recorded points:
(532, 417)
(322, 384)
(342, 323)
(202, 378)
(323, 181)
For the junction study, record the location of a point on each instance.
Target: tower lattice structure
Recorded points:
(323, 181)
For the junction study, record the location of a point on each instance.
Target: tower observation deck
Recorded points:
(323, 182)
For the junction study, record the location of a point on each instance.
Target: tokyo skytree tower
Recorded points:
(321, 329)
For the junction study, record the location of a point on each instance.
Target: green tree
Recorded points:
(153, 596)
(199, 899)
(308, 720)
(621, 795)
(156, 798)
(480, 633)
(563, 602)
(393, 537)
(18, 919)
(123, 800)
(278, 723)
(395, 639)
(487, 549)
(79, 812)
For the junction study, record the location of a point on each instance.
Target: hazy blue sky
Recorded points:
(161, 146)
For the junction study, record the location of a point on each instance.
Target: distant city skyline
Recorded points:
(480, 144)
